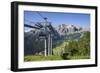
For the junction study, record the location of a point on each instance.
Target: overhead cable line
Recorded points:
(45, 18)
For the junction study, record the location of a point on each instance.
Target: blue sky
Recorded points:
(56, 18)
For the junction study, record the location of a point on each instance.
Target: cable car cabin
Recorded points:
(43, 32)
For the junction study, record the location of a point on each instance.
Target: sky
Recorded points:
(58, 18)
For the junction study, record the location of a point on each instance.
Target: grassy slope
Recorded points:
(49, 58)
(41, 58)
